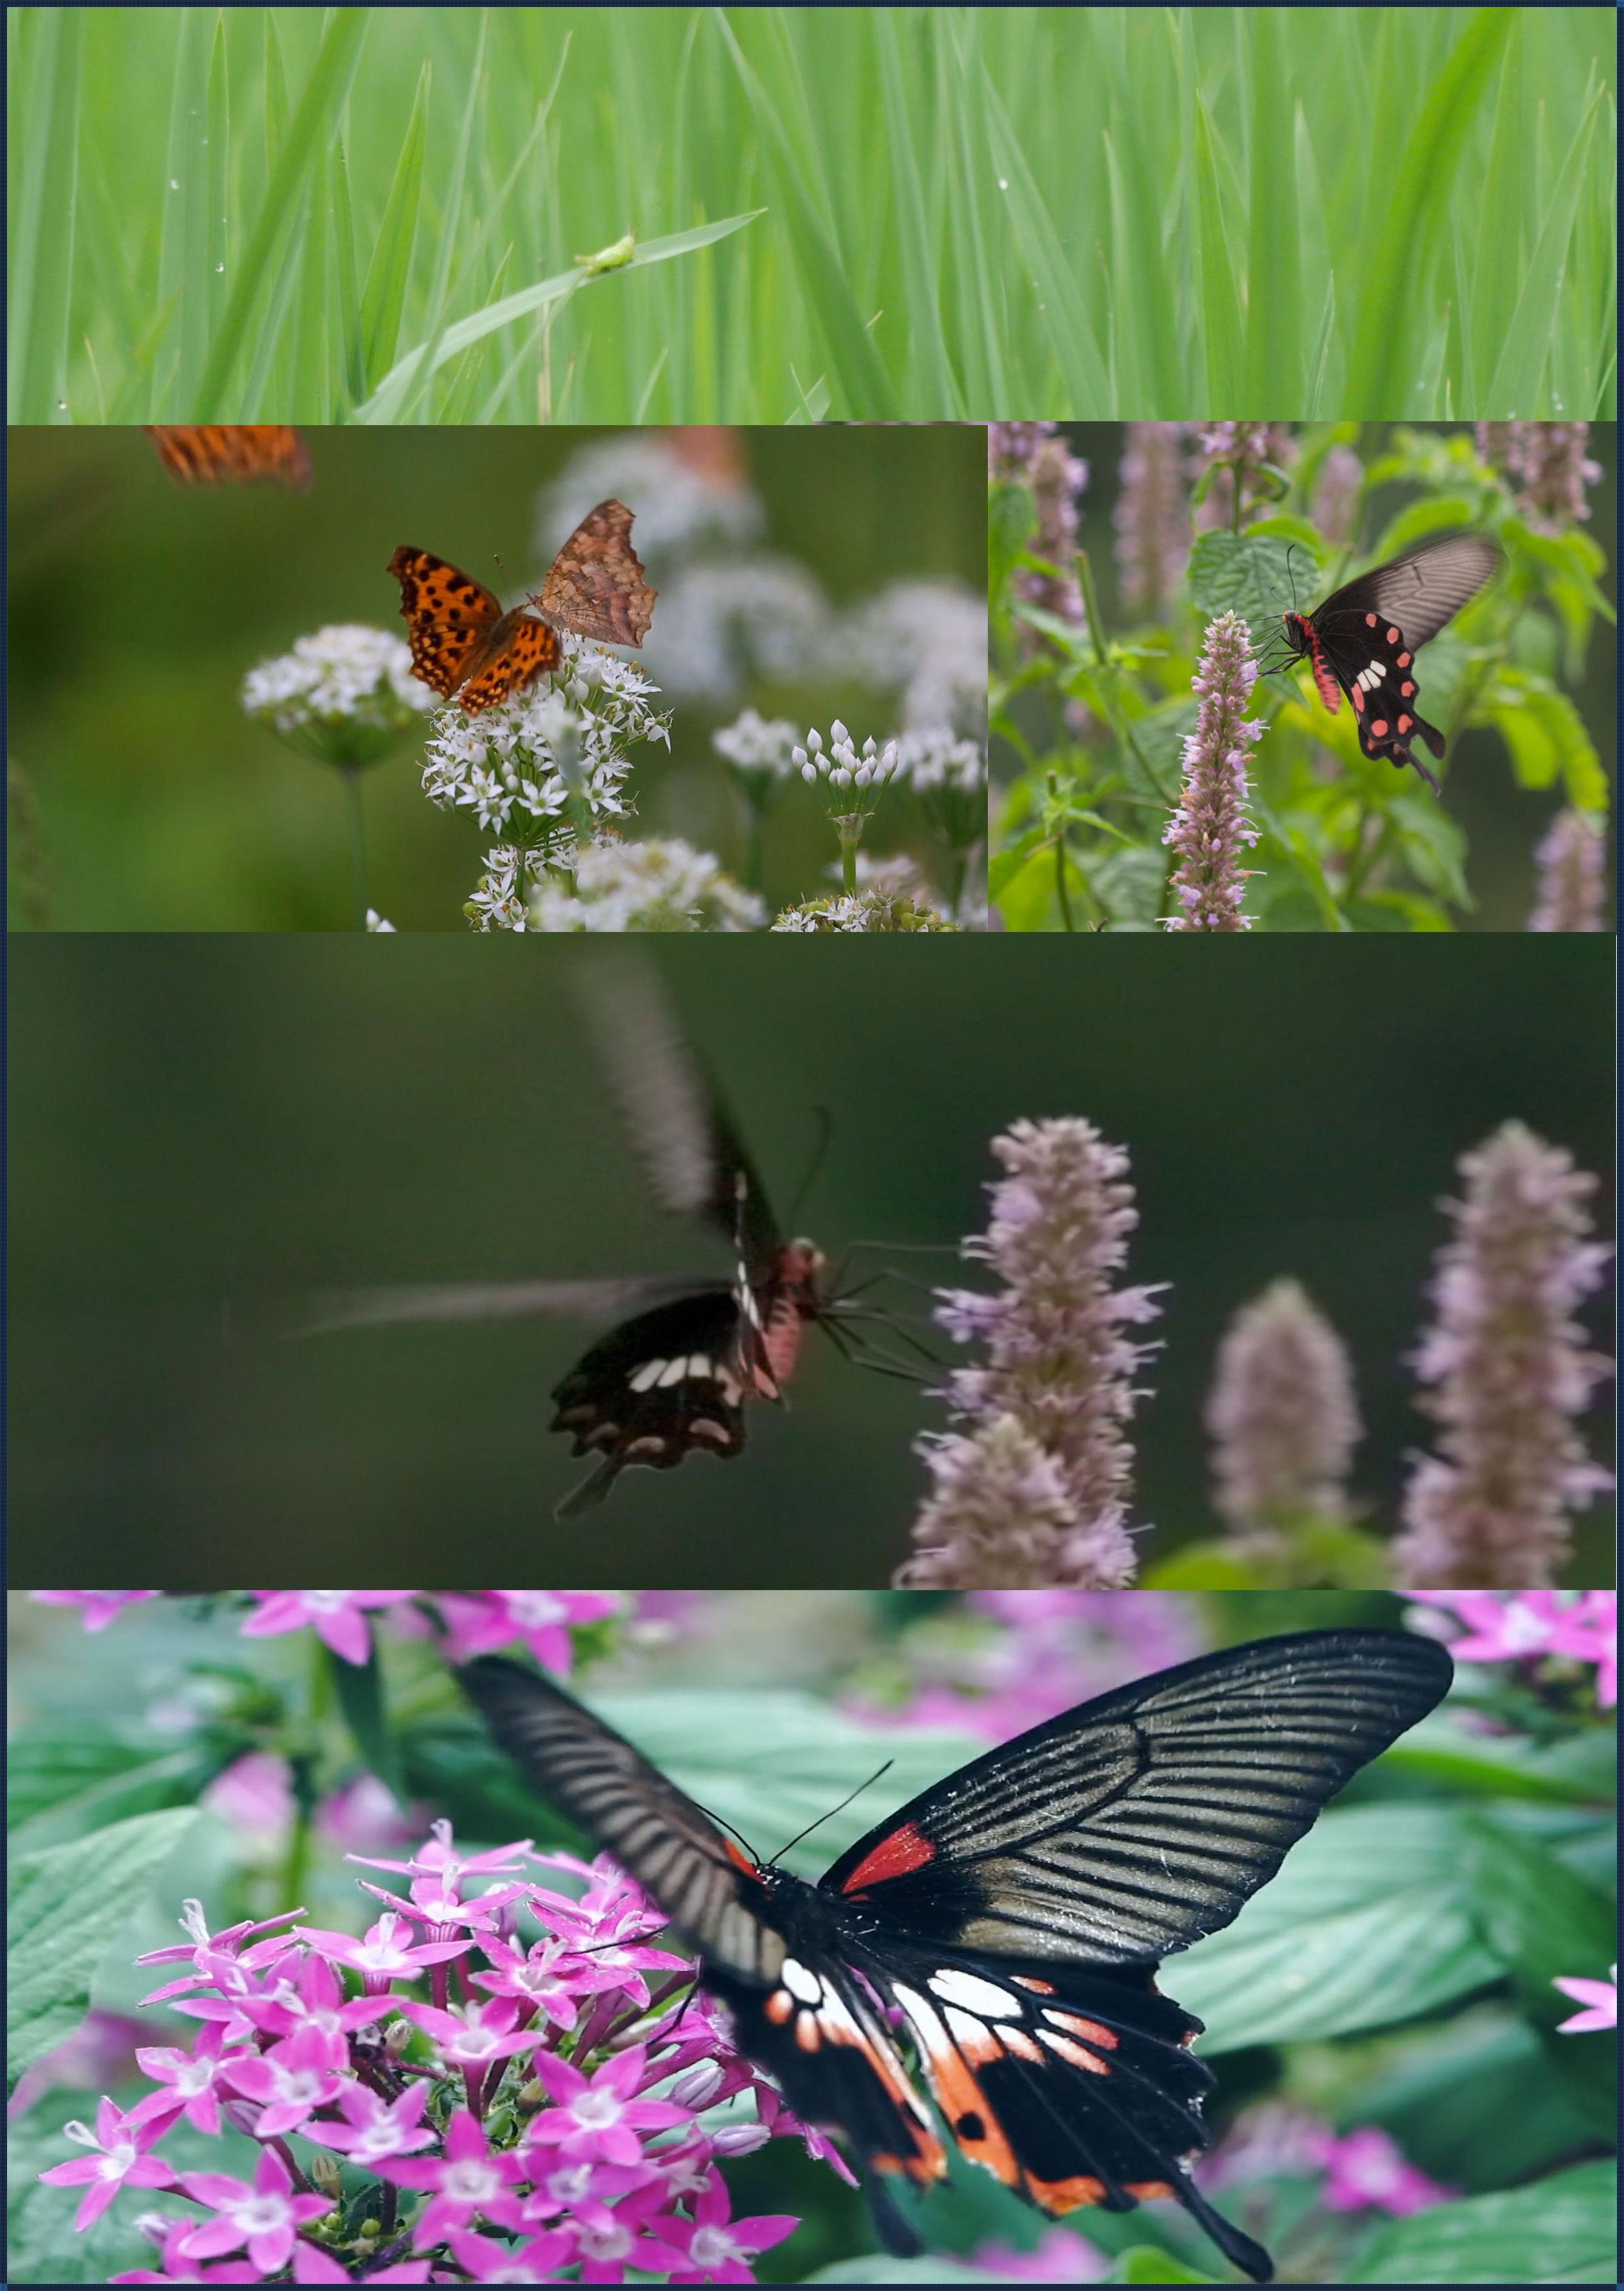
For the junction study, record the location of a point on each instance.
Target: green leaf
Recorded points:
(1547, 736)
(1527, 345)
(1147, 2263)
(1241, 573)
(880, 2267)
(1203, 1567)
(1008, 864)
(1373, 1920)
(65, 1904)
(59, 1787)
(1577, 1771)
(1561, 2229)
(358, 1688)
(1477, 2104)
(1433, 846)
(383, 296)
(1286, 527)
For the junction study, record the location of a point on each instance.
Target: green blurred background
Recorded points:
(1502, 821)
(202, 1123)
(152, 803)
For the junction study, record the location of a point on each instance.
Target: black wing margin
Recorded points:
(1130, 1828)
(1421, 591)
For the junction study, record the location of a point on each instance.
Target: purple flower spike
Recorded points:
(1282, 1414)
(1508, 1370)
(1570, 865)
(1152, 515)
(1212, 827)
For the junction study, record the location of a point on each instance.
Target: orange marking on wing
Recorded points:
(1030, 1981)
(248, 453)
(779, 2007)
(1369, 620)
(1358, 697)
(1017, 2041)
(1148, 2190)
(1404, 723)
(1391, 636)
(463, 643)
(1057, 2196)
(1404, 659)
(1093, 2032)
(1078, 2055)
(904, 1850)
(1379, 731)
(807, 2033)
(736, 1855)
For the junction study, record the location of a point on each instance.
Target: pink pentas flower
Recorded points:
(713, 2246)
(266, 2217)
(313, 1996)
(552, 1979)
(584, 2192)
(255, 1795)
(177, 2269)
(97, 1609)
(473, 2037)
(480, 1623)
(191, 2079)
(1366, 2171)
(119, 2157)
(1519, 1626)
(292, 2079)
(1062, 2257)
(627, 2241)
(539, 2259)
(312, 2264)
(469, 2178)
(374, 2128)
(388, 1952)
(1600, 1999)
(365, 1812)
(442, 1911)
(599, 2115)
(439, 1859)
(338, 1618)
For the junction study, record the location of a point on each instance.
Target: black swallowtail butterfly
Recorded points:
(1005, 1928)
(1364, 639)
(673, 1378)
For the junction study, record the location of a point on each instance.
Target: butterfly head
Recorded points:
(800, 1269)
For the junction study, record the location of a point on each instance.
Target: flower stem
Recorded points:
(1060, 890)
(358, 839)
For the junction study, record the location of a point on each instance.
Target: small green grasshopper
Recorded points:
(608, 258)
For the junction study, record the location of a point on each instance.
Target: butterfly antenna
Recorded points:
(825, 1132)
(833, 1810)
(738, 1834)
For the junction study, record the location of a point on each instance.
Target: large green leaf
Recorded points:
(1579, 1770)
(64, 1905)
(1241, 573)
(1558, 2230)
(58, 1787)
(1372, 1921)
(1477, 2102)
(880, 2267)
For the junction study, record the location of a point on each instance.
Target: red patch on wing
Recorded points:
(742, 1859)
(904, 1850)
(1059, 2196)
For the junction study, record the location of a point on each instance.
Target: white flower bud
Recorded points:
(838, 732)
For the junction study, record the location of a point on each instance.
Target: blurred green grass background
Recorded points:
(241, 1121)
(246, 212)
(136, 605)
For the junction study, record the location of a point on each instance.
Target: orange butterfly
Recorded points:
(260, 453)
(463, 643)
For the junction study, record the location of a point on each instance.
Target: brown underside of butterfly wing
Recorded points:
(597, 588)
(272, 452)
(449, 618)
(516, 651)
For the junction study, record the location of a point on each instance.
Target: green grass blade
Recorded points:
(1514, 389)
(1220, 303)
(383, 296)
(1062, 313)
(180, 242)
(1385, 334)
(865, 386)
(1272, 378)
(285, 201)
(41, 281)
(390, 392)
(346, 317)
(927, 347)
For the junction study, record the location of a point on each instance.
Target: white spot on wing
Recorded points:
(801, 1982)
(975, 1995)
(649, 1373)
(674, 1370)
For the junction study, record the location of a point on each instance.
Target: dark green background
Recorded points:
(1502, 820)
(137, 605)
(198, 1121)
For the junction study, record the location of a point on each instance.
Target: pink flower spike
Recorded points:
(293, 2079)
(483, 2261)
(1600, 1999)
(466, 2180)
(388, 1953)
(120, 2158)
(266, 2216)
(598, 2116)
(1365, 2171)
(714, 2248)
(338, 1618)
(190, 2078)
(98, 1608)
(375, 2128)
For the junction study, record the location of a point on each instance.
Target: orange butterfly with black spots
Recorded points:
(263, 453)
(466, 648)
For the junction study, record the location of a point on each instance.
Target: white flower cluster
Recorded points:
(376, 921)
(754, 742)
(678, 504)
(662, 885)
(345, 693)
(500, 897)
(877, 908)
(930, 757)
(565, 739)
(722, 622)
(842, 767)
(926, 640)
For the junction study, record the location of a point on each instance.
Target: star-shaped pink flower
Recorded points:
(374, 2128)
(292, 2079)
(190, 2079)
(467, 2180)
(389, 1952)
(713, 2246)
(1366, 2171)
(338, 1618)
(266, 2217)
(599, 2116)
(120, 2158)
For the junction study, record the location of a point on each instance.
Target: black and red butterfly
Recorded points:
(1363, 640)
(673, 1379)
(1001, 1934)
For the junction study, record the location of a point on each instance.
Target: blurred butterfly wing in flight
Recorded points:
(597, 587)
(266, 452)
